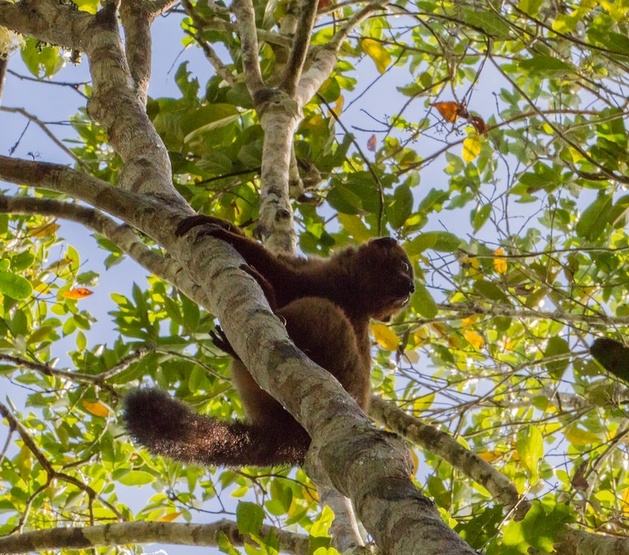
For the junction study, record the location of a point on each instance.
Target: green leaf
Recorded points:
(401, 208)
(355, 226)
(531, 7)
(344, 200)
(480, 216)
(249, 518)
(136, 478)
(22, 261)
(438, 240)
(41, 61)
(548, 65)
(15, 286)
(530, 446)
(433, 201)
(592, 223)
(490, 291)
(489, 22)
(225, 546)
(557, 347)
(422, 301)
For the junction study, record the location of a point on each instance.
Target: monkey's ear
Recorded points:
(384, 242)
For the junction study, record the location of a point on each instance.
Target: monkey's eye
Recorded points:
(406, 266)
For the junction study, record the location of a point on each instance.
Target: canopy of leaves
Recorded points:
(518, 238)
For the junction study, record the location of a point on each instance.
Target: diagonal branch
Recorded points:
(245, 15)
(121, 234)
(44, 127)
(51, 473)
(446, 447)
(299, 49)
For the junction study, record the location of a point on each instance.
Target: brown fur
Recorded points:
(327, 305)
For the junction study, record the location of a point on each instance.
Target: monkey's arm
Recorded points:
(269, 269)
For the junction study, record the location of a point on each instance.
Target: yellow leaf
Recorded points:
(89, 6)
(625, 502)
(421, 336)
(582, 438)
(310, 494)
(423, 403)
(412, 356)
(45, 230)
(60, 264)
(377, 53)
(475, 339)
(471, 147)
(97, 408)
(471, 264)
(469, 321)
(385, 336)
(500, 264)
(415, 460)
(490, 456)
(169, 517)
(338, 107)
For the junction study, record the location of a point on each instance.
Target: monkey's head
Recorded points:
(385, 277)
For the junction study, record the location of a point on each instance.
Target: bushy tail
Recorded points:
(167, 427)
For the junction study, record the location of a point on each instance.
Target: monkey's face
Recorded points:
(386, 277)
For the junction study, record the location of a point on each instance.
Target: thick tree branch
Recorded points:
(144, 532)
(324, 58)
(124, 205)
(445, 446)
(119, 107)
(344, 528)
(578, 542)
(48, 21)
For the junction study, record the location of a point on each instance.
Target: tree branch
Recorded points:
(445, 446)
(119, 107)
(121, 234)
(136, 17)
(44, 128)
(144, 532)
(48, 21)
(299, 49)
(578, 542)
(245, 16)
(51, 473)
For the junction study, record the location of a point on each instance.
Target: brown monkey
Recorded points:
(327, 305)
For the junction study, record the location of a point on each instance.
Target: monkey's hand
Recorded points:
(213, 224)
(220, 340)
